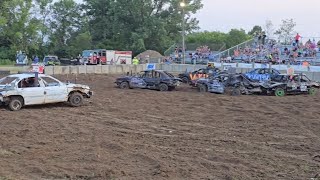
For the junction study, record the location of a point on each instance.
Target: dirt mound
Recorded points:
(146, 134)
(149, 54)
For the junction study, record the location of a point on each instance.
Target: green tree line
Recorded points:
(66, 28)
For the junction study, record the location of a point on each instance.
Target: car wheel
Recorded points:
(312, 91)
(124, 85)
(236, 92)
(163, 87)
(202, 88)
(76, 99)
(185, 80)
(15, 103)
(279, 92)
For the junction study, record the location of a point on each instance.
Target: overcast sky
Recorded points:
(223, 15)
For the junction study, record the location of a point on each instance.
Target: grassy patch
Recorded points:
(6, 62)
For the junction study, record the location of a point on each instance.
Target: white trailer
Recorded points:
(119, 57)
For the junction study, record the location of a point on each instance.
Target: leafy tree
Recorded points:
(139, 25)
(285, 32)
(215, 39)
(79, 43)
(65, 21)
(236, 36)
(3, 20)
(255, 29)
(20, 29)
(43, 14)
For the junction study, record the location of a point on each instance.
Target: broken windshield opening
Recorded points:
(7, 80)
(170, 75)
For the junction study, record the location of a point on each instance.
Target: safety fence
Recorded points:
(312, 71)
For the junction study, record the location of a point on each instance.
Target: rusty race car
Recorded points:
(192, 77)
(283, 84)
(25, 89)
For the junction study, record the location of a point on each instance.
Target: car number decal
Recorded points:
(303, 88)
(294, 86)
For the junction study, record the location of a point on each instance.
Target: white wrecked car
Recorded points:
(20, 90)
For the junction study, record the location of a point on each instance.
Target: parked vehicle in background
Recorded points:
(103, 56)
(51, 61)
(291, 84)
(21, 58)
(25, 89)
(149, 79)
(89, 57)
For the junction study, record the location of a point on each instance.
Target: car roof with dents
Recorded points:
(291, 75)
(27, 75)
(154, 70)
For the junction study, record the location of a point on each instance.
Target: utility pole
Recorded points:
(182, 5)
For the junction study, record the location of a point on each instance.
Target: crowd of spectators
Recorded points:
(268, 50)
(200, 53)
(261, 50)
(298, 49)
(258, 51)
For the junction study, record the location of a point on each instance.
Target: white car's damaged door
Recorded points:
(55, 91)
(32, 92)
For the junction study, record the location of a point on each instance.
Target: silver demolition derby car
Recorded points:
(20, 90)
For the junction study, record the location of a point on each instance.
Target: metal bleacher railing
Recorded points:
(229, 52)
(193, 46)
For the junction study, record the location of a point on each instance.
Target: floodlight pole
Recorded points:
(183, 39)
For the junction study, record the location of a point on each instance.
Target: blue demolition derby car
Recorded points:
(233, 84)
(149, 79)
(262, 74)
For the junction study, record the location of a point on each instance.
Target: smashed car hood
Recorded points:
(81, 86)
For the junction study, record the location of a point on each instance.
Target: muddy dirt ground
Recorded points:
(145, 134)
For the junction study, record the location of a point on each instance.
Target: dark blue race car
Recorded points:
(262, 74)
(149, 79)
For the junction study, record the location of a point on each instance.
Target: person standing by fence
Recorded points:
(297, 38)
(135, 61)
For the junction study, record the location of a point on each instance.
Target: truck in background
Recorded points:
(106, 57)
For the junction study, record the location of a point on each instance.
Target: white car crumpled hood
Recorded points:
(71, 85)
(78, 87)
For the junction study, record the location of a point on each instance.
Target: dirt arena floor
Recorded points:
(145, 134)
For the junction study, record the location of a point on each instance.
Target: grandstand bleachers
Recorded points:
(253, 51)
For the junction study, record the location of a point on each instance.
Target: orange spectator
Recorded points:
(305, 63)
(236, 53)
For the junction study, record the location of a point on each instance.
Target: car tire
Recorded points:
(185, 80)
(202, 88)
(75, 99)
(15, 103)
(236, 92)
(280, 92)
(124, 85)
(163, 87)
(312, 91)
